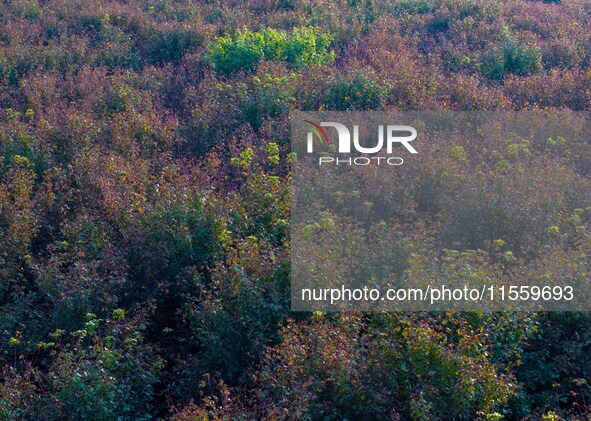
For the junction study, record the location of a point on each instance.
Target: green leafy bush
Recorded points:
(102, 372)
(302, 47)
(512, 57)
(354, 90)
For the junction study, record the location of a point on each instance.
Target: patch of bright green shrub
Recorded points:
(302, 47)
(511, 57)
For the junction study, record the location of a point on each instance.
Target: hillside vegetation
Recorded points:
(144, 209)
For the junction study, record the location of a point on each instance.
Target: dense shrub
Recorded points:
(102, 375)
(302, 47)
(511, 57)
(354, 89)
(413, 6)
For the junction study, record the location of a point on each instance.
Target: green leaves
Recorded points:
(302, 47)
(511, 57)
